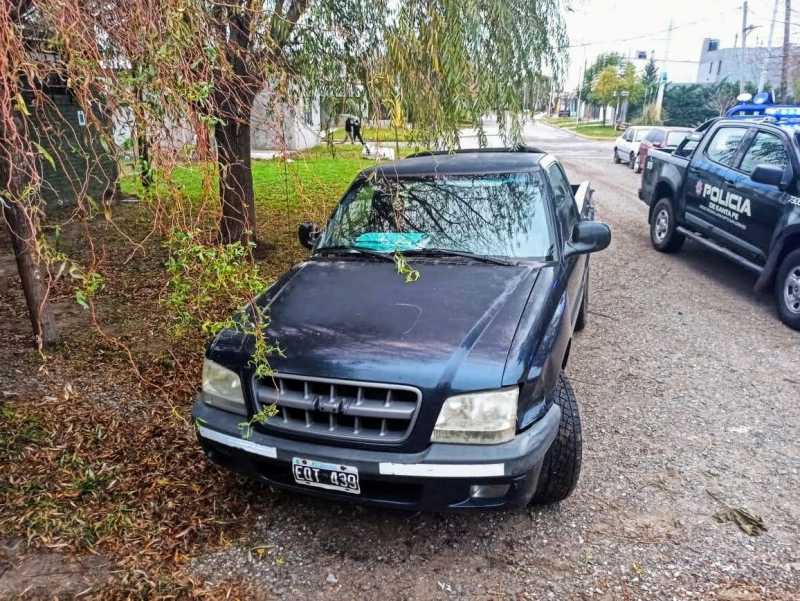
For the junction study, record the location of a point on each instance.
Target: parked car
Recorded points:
(733, 188)
(626, 146)
(663, 138)
(447, 392)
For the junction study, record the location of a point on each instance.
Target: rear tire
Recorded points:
(663, 233)
(561, 467)
(616, 157)
(787, 290)
(630, 160)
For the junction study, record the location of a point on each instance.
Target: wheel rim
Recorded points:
(661, 228)
(791, 290)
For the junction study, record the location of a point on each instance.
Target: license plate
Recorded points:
(332, 476)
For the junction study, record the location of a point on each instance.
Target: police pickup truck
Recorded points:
(732, 186)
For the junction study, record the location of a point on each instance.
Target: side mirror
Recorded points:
(588, 237)
(308, 233)
(768, 174)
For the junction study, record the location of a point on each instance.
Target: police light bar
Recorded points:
(783, 112)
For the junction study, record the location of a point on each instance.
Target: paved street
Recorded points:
(689, 387)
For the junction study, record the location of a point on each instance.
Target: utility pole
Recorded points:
(787, 31)
(580, 88)
(762, 79)
(742, 62)
(663, 83)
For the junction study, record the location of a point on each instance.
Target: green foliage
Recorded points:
(261, 417)
(631, 83)
(91, 283)
(606, 85)
(450, 60)
(612, 59)
(650, 75)
(404, 269)
(262, 348)
(691, 105)
(206, 281)
(687, 105)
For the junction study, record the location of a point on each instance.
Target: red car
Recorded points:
(663, 138)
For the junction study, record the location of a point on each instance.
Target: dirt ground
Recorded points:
(689, 390)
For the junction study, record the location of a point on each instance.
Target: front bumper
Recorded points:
(439, 478)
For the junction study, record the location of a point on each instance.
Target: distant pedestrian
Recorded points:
(348, 129)
(356, 124)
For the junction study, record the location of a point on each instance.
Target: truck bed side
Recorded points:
(663, 175)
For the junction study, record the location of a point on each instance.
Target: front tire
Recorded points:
(637, 165)
(663, 233)
(616, 157)
(561, 467)
(787, 290)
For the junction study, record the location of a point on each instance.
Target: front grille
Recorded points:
(339, 409)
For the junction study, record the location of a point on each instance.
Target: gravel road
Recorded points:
(689, 388)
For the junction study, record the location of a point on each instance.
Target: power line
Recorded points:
(647, 35)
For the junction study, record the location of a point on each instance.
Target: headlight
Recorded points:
(222, 387)
(478, 418)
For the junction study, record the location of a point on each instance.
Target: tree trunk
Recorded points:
(23, 229)
(22, 223)
(145, 171)
(604, 113)
(236, 179)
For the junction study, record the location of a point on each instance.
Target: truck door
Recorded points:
(708, 178)
(766, 203)
(568, 216)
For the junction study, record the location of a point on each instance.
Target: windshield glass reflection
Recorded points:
(498, 215)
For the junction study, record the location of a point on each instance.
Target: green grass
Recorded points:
(590, 130)
(385, 134)
(314, 176)
(601, 132)
(560, 121)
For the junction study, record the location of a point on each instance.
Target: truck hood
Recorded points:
(359, 320)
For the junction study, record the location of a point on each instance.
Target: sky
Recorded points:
(625, 26)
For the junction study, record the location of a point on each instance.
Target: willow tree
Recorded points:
(441, 61)
(437, 63)
(85, 48)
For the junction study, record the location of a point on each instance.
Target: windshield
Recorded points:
(676, 137)
(498, 215)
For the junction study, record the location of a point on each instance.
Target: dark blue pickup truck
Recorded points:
(733, 187)
(446, 392)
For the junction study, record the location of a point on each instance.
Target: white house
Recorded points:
(279, 125)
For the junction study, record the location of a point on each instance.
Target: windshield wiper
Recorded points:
(354, 250)
(446, 252)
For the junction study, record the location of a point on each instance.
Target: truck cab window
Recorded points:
(564, 201)
(766, 149)
(725, 144)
